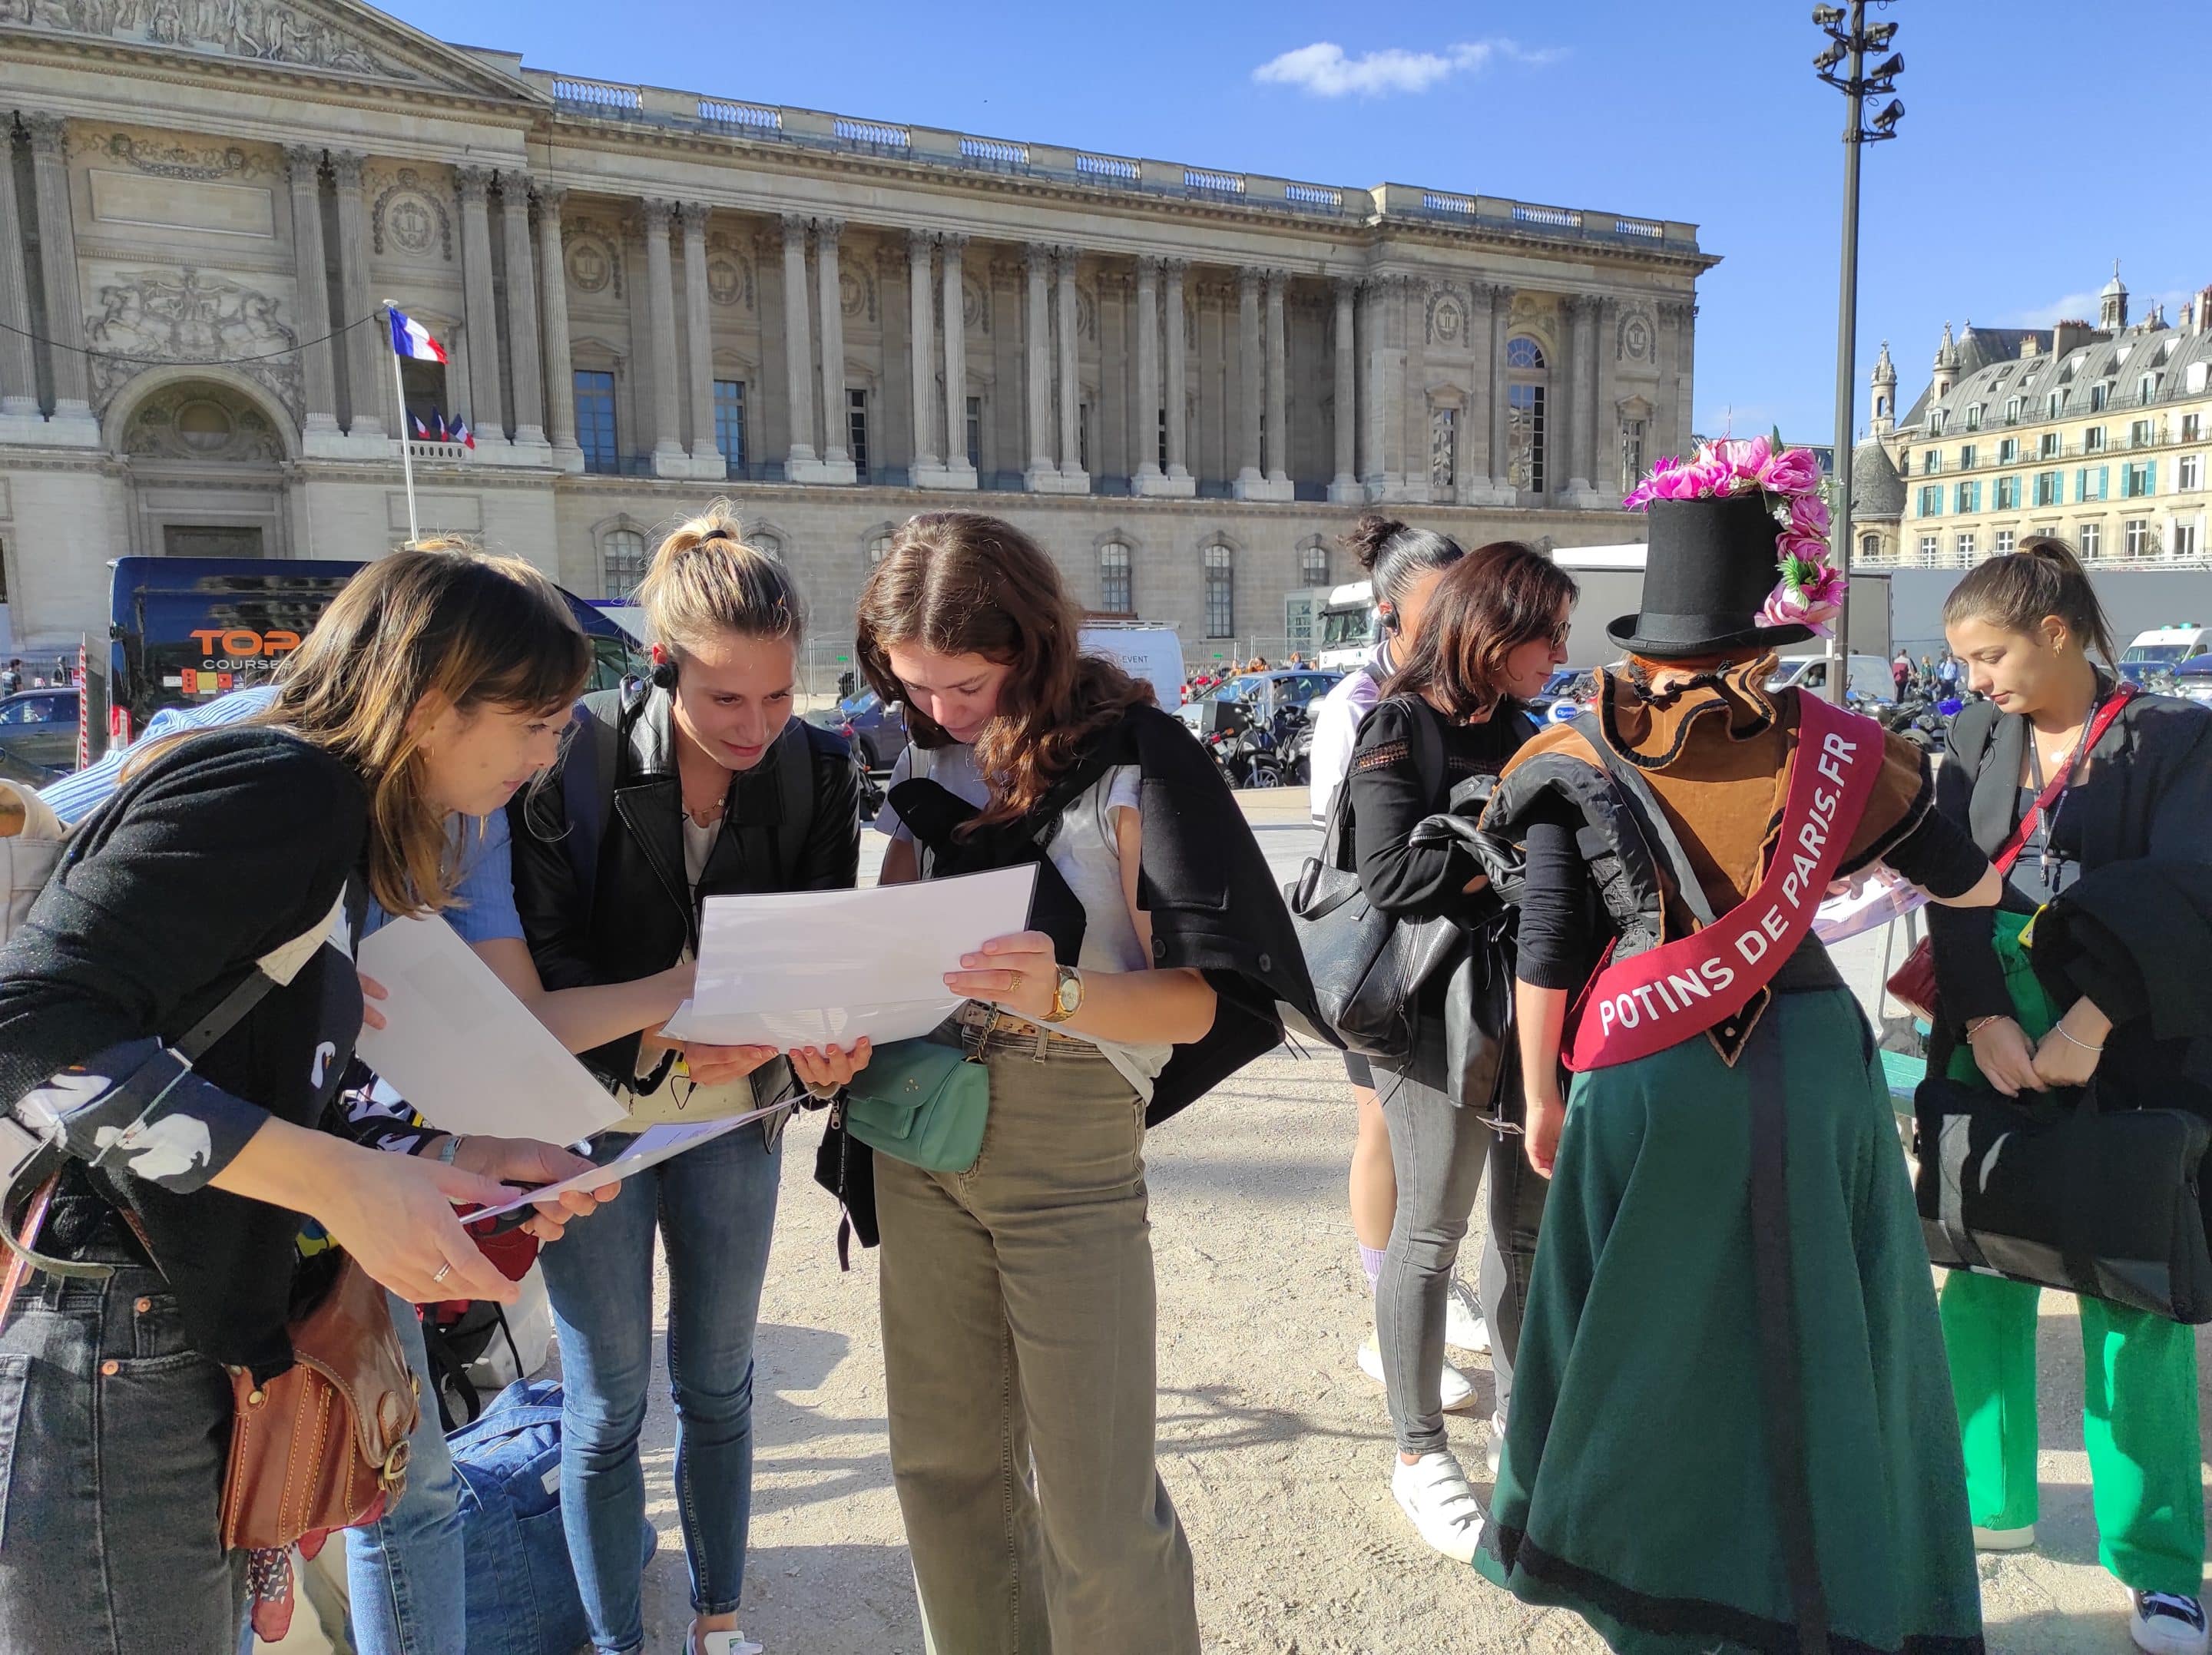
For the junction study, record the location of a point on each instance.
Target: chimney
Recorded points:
(2069, 336)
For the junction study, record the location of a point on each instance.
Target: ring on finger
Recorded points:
(1014, 982)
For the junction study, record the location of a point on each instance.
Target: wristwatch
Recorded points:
(1067, 996)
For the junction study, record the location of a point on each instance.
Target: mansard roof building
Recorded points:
(1184, 381)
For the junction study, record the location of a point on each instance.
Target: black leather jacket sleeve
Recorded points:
(831, 859)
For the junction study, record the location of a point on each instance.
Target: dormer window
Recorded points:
(1974, 416)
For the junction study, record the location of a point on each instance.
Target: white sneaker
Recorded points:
(1433, 1491)
(1457, 1389)
(1464, 1327)
(2004, 1540)
(2165, 1623)
(726, 1643)
(1497, 1451)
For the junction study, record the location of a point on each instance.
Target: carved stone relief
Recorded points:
(185, 316)
(594, 256)
(263, 30)
(1635, 336)
(1087, 314)
(975, 305)
(1446, 318)
(856, 292)
(729, 273)
(411, 218)
(162, 157)
(203, 421)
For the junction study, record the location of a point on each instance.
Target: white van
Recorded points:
(2162, 649)
(1872, 681)
(1152, 653)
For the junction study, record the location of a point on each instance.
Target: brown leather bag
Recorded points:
(323, 1445)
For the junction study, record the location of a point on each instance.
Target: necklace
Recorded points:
(709, 816)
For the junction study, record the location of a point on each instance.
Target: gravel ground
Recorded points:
(1275, 1447)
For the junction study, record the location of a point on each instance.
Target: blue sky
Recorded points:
(2042, 140)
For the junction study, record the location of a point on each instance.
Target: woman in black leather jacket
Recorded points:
(697, 782)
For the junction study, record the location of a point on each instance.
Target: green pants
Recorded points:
(2138, 1420)
(2139, 1391)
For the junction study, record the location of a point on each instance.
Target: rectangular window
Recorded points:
(2189, 471)
(2004, 541)
(2135, 540)
(1928, 549)
(1966, 457)
(2048, 447)
(1931, 500)
(2184, 539)
(1220, 592)
(2093, 441)
(2049, 486)
(1163, 460)
(856, 431)
(2090, 537)
(595, 420)
(2139, 482)
(2098, 393)
(2192, 427)
(1964, 546)
(2139, 434)
(974, 419)
(1443, 450)
(1974, 416)
(1931, 463)
(2007, 493)
(729, 422)
(2009, 451)
(1115, 597)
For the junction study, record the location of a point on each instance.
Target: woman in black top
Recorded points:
(1497, 629)
(435, 683)
(2026, 626)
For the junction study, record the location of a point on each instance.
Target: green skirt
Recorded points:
(1639, 1485)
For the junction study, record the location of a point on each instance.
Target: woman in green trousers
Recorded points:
(2025, 625)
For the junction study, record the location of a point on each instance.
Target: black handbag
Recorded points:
(1366, 966)
(2060, 1193)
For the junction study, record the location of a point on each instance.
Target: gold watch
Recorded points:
(1066, 994)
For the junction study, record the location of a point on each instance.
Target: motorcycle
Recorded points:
(1245, 754)
(1920, 721)
(1294, 734)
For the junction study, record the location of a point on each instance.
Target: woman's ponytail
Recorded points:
(706, 579)
(2017, 590)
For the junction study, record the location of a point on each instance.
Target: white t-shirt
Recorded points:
(1087, 857)
(1336, 731)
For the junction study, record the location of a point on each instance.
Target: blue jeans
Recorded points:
(404, 1572)
(715, 1207)
(113, 1431)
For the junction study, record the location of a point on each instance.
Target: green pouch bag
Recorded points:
(923, 1102)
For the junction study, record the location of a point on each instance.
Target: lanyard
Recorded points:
(2048, 854)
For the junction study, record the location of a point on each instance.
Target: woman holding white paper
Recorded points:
(1018, 1307)
(697, 782)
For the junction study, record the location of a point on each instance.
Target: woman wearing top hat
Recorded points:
(1730, 1421)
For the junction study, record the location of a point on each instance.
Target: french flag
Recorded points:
(410, 338)
(459, 431)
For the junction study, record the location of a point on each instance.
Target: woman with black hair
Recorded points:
(1496, 628)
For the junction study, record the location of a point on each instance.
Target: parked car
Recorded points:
(39, 727)
(1263, 695)
(877, 732)
(1873, 685)
(2193, 678)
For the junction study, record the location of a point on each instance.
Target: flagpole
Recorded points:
(406, 453)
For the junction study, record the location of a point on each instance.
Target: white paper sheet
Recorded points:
(1881, 898)
(799, 968)
(652, 1146)
(465, 1052)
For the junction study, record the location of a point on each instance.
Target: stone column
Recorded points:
(669, 459)
(1249, 480)
(368, 375)
(708, 463)
(479, 309)
(797, 351)
(528, 374)
(553, 315)
(1560, 409)
(1175, 398)
(1042, 474)
(829, 297)
(1278, 368)
(303, 165)
(1605, 400)
(1145, 477)
(1373, 392)
(1074, 479)
(959, 472)
(1686, 357)
(1345, 485)
(57, 266)
(19, 373)
(921, 305)
(1501, 440)
(1581, 314)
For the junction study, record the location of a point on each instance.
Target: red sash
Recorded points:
(1665, 996)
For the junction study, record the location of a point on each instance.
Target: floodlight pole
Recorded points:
(1847, 331)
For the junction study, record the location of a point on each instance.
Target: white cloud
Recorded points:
(2083, 307)
(1322, 70)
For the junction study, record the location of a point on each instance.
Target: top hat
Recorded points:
(1708, 571)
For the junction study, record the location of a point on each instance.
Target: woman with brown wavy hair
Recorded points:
(1019, 1303)
(1495, 629)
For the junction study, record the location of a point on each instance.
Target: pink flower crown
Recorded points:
(1810, 592)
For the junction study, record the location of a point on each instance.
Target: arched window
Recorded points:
(879, 548)
(1313, 565)
(1528, 384)
(621, 561)
(765, 540)
(1869, 546)
(1115, 596)
(1220, 591)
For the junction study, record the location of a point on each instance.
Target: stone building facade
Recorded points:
(2101, 436)
(1185, 382)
